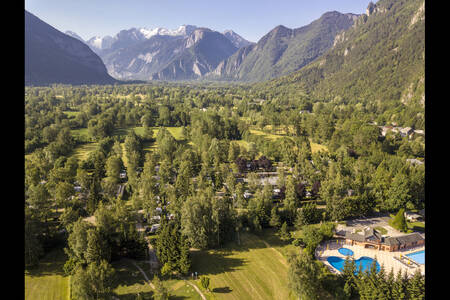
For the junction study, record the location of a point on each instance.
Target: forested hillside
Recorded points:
(380, 60)
(283, 50)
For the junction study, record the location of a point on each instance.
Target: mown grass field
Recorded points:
(48, 281)
(314, 146)
(129, 282)
(252, 270)
(71, 113)
(82, 151)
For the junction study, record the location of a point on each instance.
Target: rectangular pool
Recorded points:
(418, 257)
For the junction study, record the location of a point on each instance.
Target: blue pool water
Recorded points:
(345, 251)
(364, 261)
(418, 257)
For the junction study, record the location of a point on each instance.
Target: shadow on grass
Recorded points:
(126, 274)
(215, 262)
(177, 297)
(133, 296)
(418, 228)
(222, 290)
(51, 264)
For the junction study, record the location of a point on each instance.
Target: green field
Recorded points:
(82, 151)
(251, 270)
(71, 113)
(129, 282)
(48, 280)
(314, 146)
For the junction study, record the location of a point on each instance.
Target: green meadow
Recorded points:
(250, 269)
(48, 281)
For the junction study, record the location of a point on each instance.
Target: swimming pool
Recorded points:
(345, 251)
(418, 257)
(364, 261)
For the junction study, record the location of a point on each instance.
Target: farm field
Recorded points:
(251, 270)
(48, 281)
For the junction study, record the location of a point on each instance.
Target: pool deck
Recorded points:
(384, 258)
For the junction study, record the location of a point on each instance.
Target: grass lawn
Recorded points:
(82, 151)
(314, 146)
(416, 226)
(48, 280)
(81, 134)
(71, 113)
(129, 281)
(251, 270)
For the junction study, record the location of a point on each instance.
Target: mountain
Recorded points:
(237, 40)
(202, 51)
(381, 59)
(74, 35)
(283, 50)
(129, 37)
(54, 57)
(183, 54)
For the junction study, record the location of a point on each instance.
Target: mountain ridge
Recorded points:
(283, 50)
(52, 56)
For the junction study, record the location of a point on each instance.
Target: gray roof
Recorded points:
(354, 237)
(403, 239)
(370, 234)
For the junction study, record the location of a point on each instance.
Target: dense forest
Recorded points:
(192, 158)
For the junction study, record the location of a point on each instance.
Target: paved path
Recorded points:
(153, 287)
(143, 273)
(197, 289)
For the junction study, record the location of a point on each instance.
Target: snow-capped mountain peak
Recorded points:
(180, 31)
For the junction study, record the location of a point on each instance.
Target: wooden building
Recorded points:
(371, 238)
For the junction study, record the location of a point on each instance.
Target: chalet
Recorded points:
(412, 217)
(247, 195)
(402, 242)
(406, 131)
(422, 213)
(414, 161)
(371, 238)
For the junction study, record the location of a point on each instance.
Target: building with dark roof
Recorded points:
(371, 238)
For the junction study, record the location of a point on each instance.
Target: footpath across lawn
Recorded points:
(251, 270)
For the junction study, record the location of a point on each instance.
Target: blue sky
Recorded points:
(252, 19)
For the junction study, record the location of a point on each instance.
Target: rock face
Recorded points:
(202, 51)
(54, 57)
(185, 54)
(237, 40)
(283, 50)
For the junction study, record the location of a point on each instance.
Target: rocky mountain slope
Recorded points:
(283, 50)
(381, 58)
(186, 54)
(54, 57)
